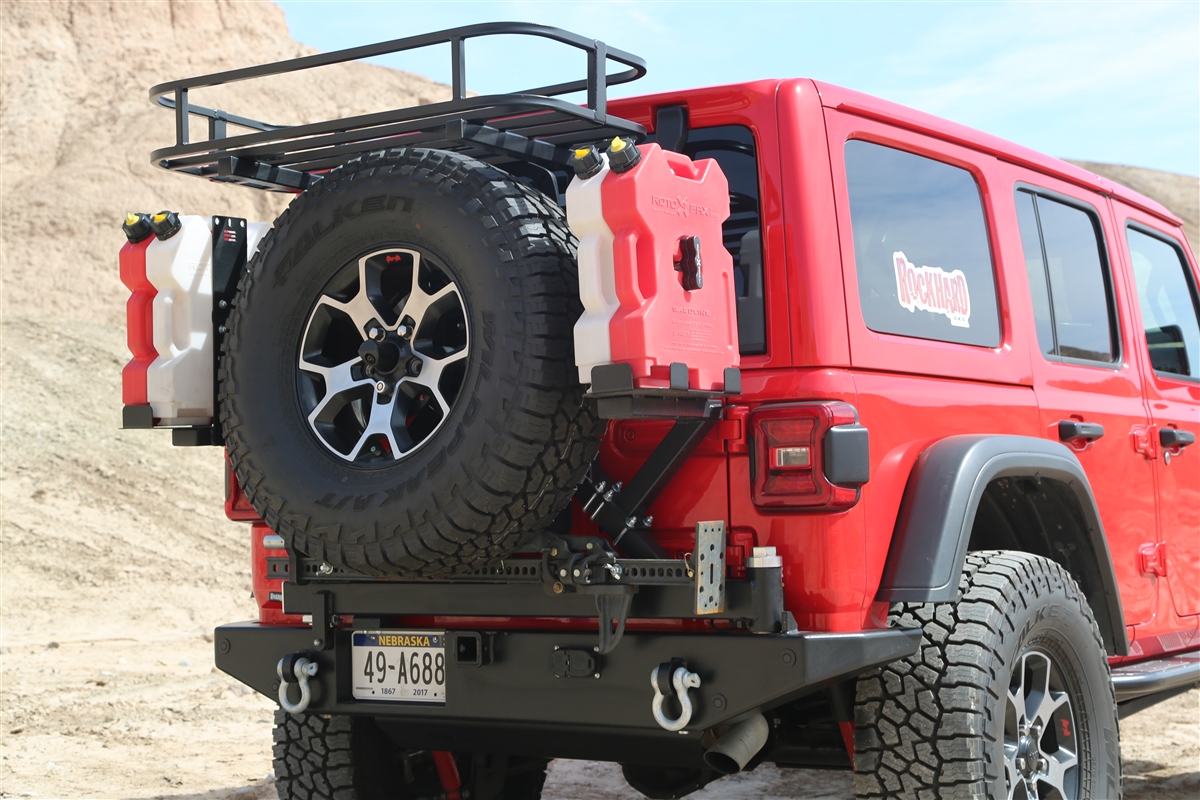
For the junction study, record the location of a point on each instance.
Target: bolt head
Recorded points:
(576, 573)
(377, 334)
(380, 387)
(223, 304)
(558, 589)
(590, 545)
(316, 642)
(553, 551)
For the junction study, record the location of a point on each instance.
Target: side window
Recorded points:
(921, 247)
(1068, 279)
(1168, 301)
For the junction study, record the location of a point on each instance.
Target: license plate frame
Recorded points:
(400, 653)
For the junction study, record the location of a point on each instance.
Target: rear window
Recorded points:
(921, 247)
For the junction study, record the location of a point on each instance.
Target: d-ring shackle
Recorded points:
(681, 680)
(295, 668)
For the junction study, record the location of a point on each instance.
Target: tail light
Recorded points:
(808, 455)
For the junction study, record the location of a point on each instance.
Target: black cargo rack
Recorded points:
(529, 127)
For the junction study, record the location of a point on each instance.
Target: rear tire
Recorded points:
(476, 434)
(964, 717)
(351, 758)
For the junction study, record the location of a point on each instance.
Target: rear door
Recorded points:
(1087, 373)
(1168, 305)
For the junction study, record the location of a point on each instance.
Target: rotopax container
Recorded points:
(671, 276)
(170, 322)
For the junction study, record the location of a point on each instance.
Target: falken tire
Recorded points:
(518, 437)
(946, 722)
(319, 757)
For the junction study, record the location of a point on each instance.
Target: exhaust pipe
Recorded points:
(739, 744)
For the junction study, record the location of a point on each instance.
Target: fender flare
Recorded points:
(937, 514)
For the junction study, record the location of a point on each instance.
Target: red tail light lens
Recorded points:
(790, 455)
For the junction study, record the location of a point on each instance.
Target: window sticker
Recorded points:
(933, 289)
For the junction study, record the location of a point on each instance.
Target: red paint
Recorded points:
(237, 507)
(650, 209)
(268, 592)
(847, 729)
(909, 392)
(447, 770)
(139, 322)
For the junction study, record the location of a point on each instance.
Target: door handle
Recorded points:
(1070, 430)
(1173, 437)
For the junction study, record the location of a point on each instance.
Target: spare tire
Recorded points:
(398, 387)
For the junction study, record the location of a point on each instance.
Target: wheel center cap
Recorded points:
(1028, 756)
(386, 356)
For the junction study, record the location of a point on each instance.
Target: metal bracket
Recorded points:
(507, 143)
(709, 559)
(616, 508)
(323, 622)
(613, 604)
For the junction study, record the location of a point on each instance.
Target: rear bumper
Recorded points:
(516, 704)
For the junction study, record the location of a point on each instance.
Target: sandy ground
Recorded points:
(115, 558)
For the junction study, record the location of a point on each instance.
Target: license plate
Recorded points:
(402, 666)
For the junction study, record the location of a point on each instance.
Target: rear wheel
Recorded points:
(350, 758)
(398, 388)
(1009, 696)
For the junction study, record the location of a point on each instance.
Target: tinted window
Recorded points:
(921, 247)
(1168, 302)
(1035, 268)
(1072, 296)
(1078, 285)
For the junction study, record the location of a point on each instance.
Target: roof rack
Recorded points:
(529, 127)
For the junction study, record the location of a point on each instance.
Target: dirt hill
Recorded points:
(1179, 193)
(115, 558)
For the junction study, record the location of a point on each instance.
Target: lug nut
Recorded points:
(404, 331)
(377, 334)
(414, 366)
(380, 387)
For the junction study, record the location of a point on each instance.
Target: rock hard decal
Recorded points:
(933, 289)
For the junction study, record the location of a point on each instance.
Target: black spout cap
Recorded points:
(165, 224)
(623, 154)
(137, 227)
(586, 161)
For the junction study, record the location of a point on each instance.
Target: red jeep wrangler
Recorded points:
(758, 423)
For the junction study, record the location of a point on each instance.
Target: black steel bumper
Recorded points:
(517, 705)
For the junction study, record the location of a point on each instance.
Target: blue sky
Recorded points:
(1113, 82)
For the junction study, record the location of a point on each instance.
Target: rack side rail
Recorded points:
(533, 125)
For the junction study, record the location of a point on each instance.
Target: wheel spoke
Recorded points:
(419, 301)
(1035, 678)
(380, 424)
(1051, 702)
(1057, 766)
(338, 380)
(359, 308)
(431, 374)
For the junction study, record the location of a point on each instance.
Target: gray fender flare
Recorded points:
(933, 528)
